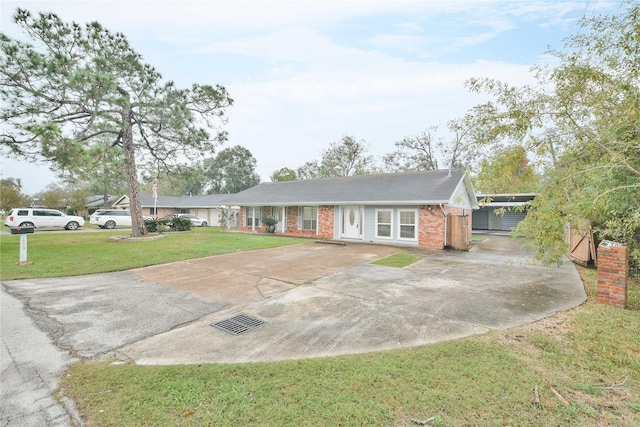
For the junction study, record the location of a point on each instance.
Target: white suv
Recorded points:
(39, 218)
(112, 218)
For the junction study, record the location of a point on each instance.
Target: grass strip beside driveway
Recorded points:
(399, 260)
(68, 253)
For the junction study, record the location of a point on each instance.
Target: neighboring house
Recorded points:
(209, 206)
(96, 202)
(428, 209)
(509, 211)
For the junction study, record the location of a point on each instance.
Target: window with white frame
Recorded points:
(408, 224)
(252, 216)
(309, 217)
(384, 219)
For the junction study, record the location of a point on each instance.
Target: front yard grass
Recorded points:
(589, 355)
(70, 253)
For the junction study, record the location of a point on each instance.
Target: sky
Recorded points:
(304, 74)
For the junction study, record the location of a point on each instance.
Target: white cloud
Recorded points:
(304, 74)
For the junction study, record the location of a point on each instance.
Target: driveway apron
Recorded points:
(313, 300)
(323, 300)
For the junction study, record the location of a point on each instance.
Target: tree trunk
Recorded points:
(137, 224)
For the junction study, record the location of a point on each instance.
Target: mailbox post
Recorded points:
(22, 231)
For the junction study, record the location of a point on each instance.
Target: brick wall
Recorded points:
(324, 225)
(431, 227)
(431, 224)
(613, 265)
(266, 210)
(325, 221)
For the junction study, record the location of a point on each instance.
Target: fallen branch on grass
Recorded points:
(536, 396)
(559, 396)
(612, 386)
(423, 422)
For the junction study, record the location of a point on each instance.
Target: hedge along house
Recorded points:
(426, 209)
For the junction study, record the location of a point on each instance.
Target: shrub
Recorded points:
(180, 223)
(270, 223)
(156, 225)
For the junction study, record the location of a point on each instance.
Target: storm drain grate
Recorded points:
(239, 324)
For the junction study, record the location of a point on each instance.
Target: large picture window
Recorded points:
(309, 217)
(384, 219)
(252, 216)
(408, 224)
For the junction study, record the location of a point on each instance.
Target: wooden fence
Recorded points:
(582, 247)
(458, 232)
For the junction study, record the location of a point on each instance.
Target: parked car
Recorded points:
(196, 221)
(112, 218)
(39, 218)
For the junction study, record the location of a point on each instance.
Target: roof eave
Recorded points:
(348, 202)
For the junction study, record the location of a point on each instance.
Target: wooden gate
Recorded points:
(582, 247)
(458, 232)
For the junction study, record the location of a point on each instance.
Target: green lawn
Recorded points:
(589, 355)
(399, 260)
(67, 253)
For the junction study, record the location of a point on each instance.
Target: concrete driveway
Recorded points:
(312, 300)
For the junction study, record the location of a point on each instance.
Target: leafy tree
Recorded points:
(11, 195)
(345, 158)
(507, 172)
(414, 153)
(77, 199)
(283, 174)
(583, 120)
(53, 197)
(81, 90)
(464, 149)
(309, 170)
(231, 171)
(182, 180)
(106, 175)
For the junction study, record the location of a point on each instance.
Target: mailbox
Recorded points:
(22, 230)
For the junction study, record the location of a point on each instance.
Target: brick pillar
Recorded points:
(613, 265)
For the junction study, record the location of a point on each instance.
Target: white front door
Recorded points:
(351, 221)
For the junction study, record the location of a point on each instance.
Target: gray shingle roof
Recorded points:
(414, 187)
(199, 201)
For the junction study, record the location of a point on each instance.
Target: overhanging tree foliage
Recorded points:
(81, 90)
(506, 172)
(583, 120)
